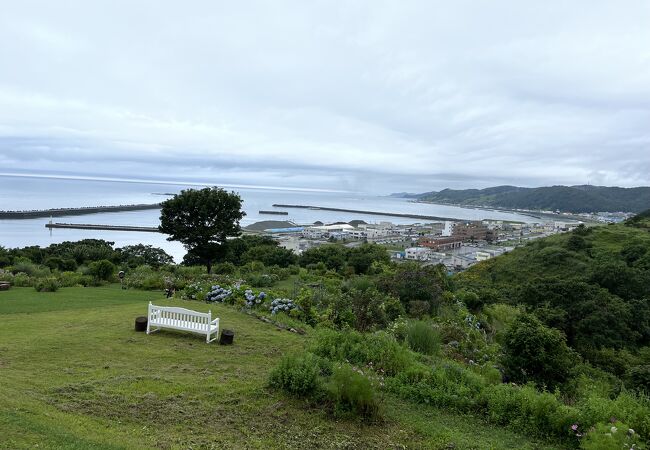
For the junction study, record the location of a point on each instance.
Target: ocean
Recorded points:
(25, 193)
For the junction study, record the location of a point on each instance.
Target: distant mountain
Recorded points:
(576, 199)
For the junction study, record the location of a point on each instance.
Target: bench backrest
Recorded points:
(174, 316)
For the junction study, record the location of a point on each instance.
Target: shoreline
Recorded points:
(528, 213)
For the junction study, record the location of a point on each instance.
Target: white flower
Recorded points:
(614, 429)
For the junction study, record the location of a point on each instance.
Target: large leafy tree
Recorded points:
(202, 219)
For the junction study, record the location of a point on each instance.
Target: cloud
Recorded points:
(375, 95)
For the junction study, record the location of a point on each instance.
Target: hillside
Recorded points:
(76, 376)
(576, 199)
(591, 284)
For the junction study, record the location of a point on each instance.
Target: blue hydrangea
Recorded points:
(217, 294)
(282, 304)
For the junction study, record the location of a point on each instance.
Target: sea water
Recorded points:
(26, 193)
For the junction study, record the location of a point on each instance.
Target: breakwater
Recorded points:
(61, 212)
(278, 213)
(89, 226)
(373, 213)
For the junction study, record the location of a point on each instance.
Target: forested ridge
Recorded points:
(577, 199)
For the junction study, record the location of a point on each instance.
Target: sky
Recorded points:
(372, 96)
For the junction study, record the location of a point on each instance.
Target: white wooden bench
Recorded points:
(184, 320)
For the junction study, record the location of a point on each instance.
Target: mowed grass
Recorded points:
(74, 374)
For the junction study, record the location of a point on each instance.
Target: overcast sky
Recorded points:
(358, 95)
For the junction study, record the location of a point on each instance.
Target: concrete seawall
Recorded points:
(61, 212)
(374, 213)
(88, 226)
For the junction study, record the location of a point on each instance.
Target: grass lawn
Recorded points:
(75, 375)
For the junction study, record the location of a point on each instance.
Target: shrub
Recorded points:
(447, 385)
(70, 279)
(49, 284)
(102, 270)
(610, 436)
(639, 378)
(300, 374)
(422, 338)
(534, 352)
(525, 408)
(352, 392)
(24, 265)
(226, 268)
(21, 279)
(262, 280)
(632, 409)
(379, 349)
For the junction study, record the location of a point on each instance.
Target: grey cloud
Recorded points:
(375, 95)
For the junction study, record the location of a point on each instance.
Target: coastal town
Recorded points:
(456, 244)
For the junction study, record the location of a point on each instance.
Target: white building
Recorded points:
(417, 253)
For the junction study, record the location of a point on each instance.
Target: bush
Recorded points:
(632, 409)
(610, 436)
(422, 338)
(352, 392)
(527, 409)
(639, 378)
(300, 374)
(70, 279)
(448, 385)
(49, 284)
(22, 280)
(102, 270)
(379, 349)
(261, 280)
(534, 352)
(225, 268)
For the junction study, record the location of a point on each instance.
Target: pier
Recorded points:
(278, 213)
(88, 226)
(60, 212)
(373, 213)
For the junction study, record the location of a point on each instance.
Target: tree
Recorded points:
(137, 255)
(202, 220)
(362, 257)
(534, 352)
(270, 255)
(418, 287)
(332, 255)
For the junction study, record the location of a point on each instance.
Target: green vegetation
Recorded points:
(551, 340)
(575, 199)
(76, 375)
(202, 219)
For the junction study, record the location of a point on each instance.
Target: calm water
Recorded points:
(18, 193)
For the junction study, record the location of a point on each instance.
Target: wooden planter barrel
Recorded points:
(141, 323)
(226, 337)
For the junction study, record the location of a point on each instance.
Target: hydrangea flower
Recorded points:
(282, 304)
(217, 294)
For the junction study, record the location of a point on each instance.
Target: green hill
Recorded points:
(592, 284)
(577, 199)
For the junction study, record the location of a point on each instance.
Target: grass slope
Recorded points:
(76, 376)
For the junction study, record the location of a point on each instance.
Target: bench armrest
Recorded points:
(215, 320)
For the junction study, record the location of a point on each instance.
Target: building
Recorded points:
(473, 231)
(417, 253)
(441, 243)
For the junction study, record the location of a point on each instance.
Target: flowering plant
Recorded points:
(612, 435)
(282, 305)
(252, 299)
(217, 294)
